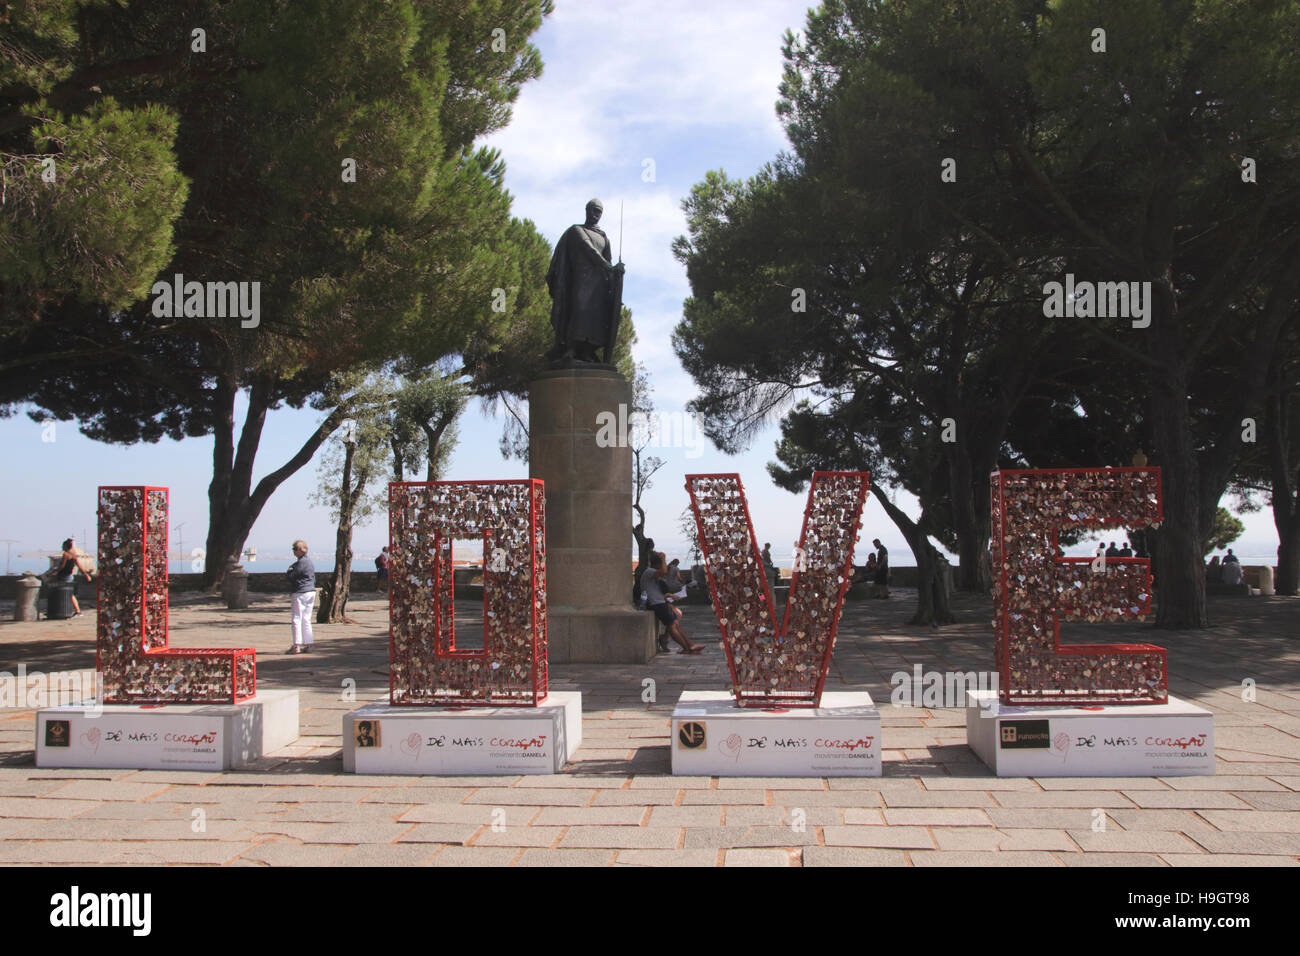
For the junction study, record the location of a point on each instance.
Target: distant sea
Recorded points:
(901, 558)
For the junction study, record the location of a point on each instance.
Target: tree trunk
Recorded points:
(433, 434)
(399, 460)
(233, 504)
(341, 579)
(932, 606)
(1288, 554)
(1178, 560)
(1285, 492)
(642, 553)
(223, 454)
(932, 600)
(972, 532)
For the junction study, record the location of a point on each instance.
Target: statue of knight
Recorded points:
(586, 289)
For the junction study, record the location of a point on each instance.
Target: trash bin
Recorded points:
(59, 606)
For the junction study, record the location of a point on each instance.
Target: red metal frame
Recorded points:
(425, 668)
(140, 672)
(1032, 670)
(789, 668)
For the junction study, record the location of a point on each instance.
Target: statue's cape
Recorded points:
(576, 240)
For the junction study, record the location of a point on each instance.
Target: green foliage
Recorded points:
(430, 404)
(395, 267)
(391, 416)
(399, 265)
(924, 296)
(102, 229)
(1227, 529)
(366, 435)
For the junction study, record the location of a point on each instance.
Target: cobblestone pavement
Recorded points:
(618, 803)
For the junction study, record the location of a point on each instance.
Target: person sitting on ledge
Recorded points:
(865, 573)
(1231, 571)
(652, 583)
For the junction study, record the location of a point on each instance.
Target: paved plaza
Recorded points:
(618, 802)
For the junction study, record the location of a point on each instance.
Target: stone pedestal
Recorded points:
(712, 737)
(588, 516)
(1174, 739)
(170, 737)
(384, 738)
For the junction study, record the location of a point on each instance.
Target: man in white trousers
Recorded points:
(302, 582)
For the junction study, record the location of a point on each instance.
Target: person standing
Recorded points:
(882, 562)
(69, 564)
(381, 569)
(769, 567)
(302, 583)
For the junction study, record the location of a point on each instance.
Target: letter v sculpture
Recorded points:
(783, 667)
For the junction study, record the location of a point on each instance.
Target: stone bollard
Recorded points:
(28, 587)
(1266, 580)
(234, 587)
(324, 597)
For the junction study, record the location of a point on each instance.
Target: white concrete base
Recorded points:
(712, 737)
(1175, 739)
(465, 740)
(168, 736)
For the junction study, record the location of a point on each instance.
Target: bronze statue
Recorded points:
(586, 292)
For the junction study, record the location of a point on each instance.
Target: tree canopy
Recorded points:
(323, 150)
(948, 161)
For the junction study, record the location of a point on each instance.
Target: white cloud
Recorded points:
(616, 73)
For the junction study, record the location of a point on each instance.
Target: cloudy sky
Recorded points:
(672, 86)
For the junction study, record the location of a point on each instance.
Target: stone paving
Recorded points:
(618, 804)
